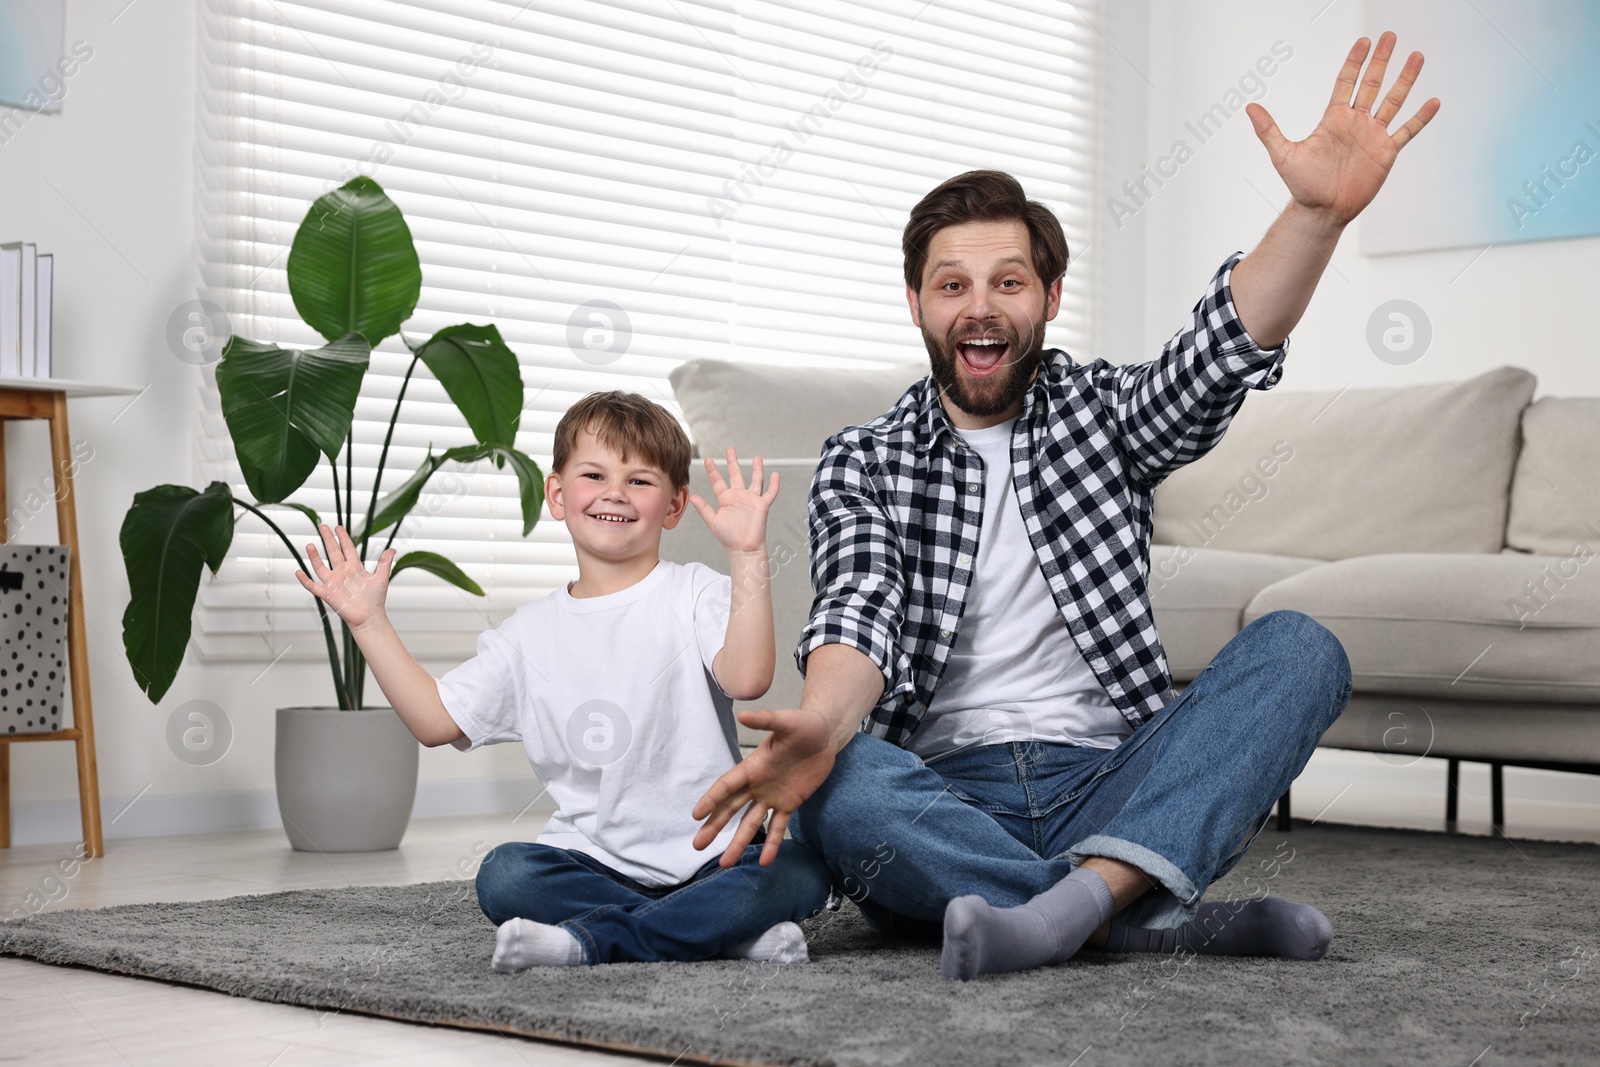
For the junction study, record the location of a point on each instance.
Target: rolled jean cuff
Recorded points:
(1169, 905)
(590, 951)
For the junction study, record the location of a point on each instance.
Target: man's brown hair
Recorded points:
(629, 424)
(983, 196)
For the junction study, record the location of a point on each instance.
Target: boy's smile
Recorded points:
(615, 510)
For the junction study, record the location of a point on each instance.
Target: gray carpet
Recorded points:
(1448, 950)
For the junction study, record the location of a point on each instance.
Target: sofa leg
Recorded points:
(1452, 790)
(1497, 797)
(1283, 812)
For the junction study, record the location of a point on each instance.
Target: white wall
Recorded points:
(1531, 304)
(107, 184)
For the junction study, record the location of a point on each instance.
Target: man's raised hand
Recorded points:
(344, 583)
(786, 768)
(1340, 167)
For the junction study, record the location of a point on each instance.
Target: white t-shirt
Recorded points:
(1015, 672)
(613, 699)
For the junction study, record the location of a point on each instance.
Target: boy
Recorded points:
(621, 689)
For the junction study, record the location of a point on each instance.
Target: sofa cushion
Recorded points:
(1468, 626)
(1555, 492)
(1404, 729)
(781, 412)
(1330, 475)
(1198, 596)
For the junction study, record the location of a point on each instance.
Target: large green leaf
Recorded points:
(353, 267)
(285, 405)
(395, 506)
(530, 482)
(482, 376)
(434, 563)
(316, 520)
(167, 536)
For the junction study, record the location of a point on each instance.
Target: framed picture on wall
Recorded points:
(31, 36)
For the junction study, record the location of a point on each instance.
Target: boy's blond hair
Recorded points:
(628, 424)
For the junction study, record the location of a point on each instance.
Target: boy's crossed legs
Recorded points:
(557, 906)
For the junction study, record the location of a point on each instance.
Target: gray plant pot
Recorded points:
(346, 779)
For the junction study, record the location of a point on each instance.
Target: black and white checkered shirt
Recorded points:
(896, 509)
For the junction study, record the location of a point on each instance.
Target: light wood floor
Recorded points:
(66, 1016)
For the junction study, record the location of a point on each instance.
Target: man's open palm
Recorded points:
(1340, 167)
(786, 768)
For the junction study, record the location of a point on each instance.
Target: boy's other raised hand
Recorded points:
(739, 522)
(344, 583)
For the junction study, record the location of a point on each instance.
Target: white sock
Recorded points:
(523, 943)
(783, 943)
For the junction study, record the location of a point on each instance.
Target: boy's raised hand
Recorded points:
(739, 522)
(347, 586)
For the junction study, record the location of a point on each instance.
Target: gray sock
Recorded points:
(1048, 929)
(1265, 926)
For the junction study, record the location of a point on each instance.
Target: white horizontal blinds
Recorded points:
(848, 115)
(558, 157)
(568, 164)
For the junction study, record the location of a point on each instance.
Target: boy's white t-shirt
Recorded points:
(614, 702)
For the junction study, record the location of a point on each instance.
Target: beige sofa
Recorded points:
(1445, 532)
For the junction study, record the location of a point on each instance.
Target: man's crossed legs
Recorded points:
(986, 847)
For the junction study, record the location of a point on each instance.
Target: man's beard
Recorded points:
(995, 394)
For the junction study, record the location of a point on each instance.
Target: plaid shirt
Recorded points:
(896, 508)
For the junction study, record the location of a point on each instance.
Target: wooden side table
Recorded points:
(46, 398)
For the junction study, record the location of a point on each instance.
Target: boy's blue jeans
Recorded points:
(618, 919)
(1180, 799)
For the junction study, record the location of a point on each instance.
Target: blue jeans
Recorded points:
(618, 919)
(1181, 798)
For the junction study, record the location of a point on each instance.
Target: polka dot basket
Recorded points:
(33, 637)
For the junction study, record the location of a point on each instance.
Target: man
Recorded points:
(1024, 772)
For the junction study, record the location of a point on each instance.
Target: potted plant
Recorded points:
(346, 773)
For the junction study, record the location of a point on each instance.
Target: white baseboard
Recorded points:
(162, 814)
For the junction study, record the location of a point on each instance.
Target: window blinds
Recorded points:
(619, 187)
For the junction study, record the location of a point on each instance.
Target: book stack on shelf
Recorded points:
(25, 299)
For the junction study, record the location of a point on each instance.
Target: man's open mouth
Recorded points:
(983, 357)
